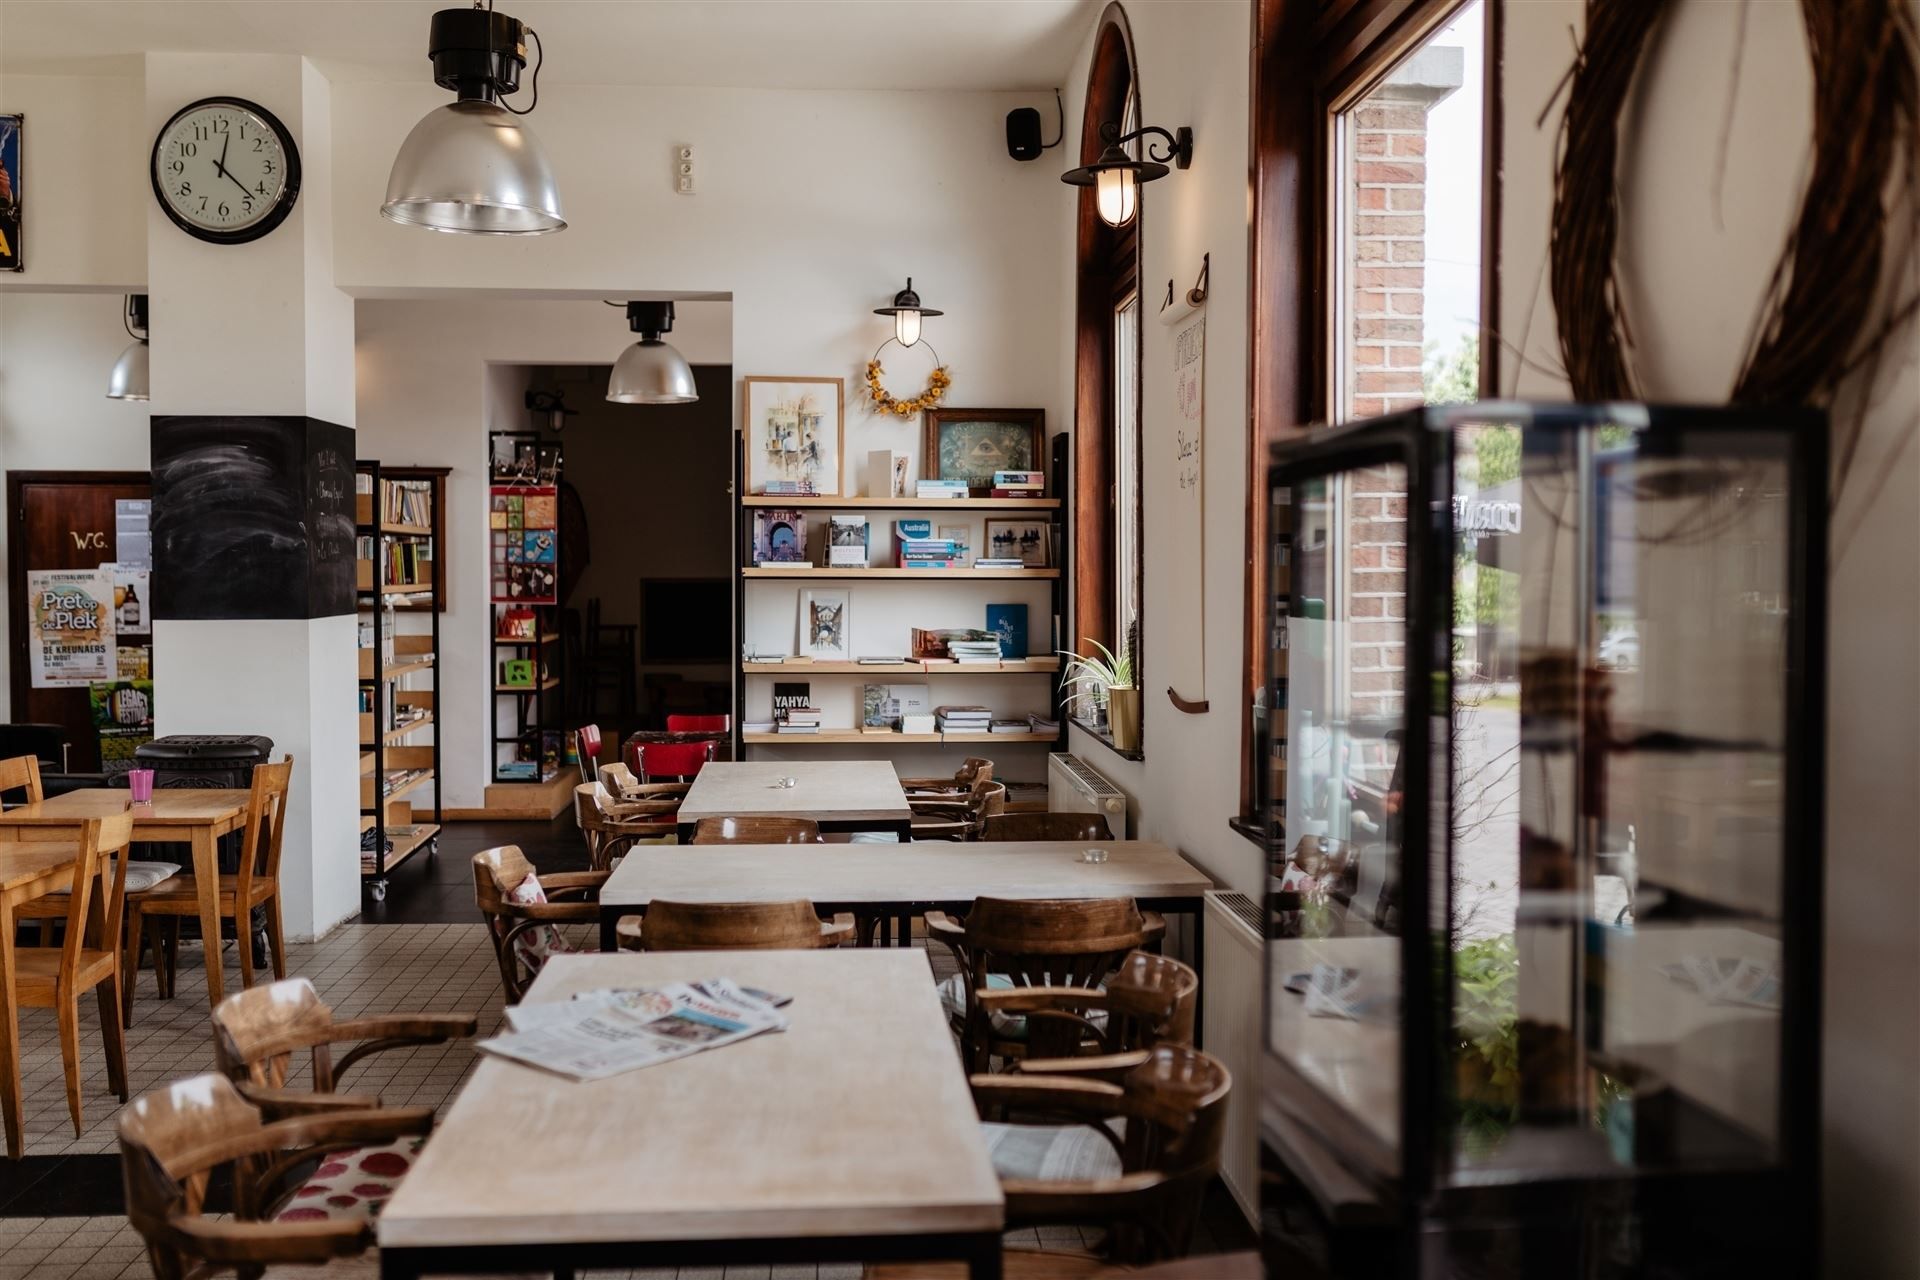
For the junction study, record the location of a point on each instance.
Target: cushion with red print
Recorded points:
(355, 1183)
(533, 946)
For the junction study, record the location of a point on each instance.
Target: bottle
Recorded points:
(130, 611)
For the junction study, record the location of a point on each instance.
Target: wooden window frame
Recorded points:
(1107, 271)
(1307, 57)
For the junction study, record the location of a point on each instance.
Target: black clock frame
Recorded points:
(289, 193)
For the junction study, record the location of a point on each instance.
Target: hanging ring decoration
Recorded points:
(885, 402)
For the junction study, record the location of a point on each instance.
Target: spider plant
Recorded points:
(1090, 678)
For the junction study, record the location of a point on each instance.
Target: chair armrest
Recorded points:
(399, 1031)
(1156, 925)
(562, 912)
(233, 1242)
(945, 927)
(1089, 1100)
(1031, 999)
(287, 1104)
(303, 1133)
(1107, 1067)
(836, 931)
(939, 805)
(1102, 1200)
(574, 880)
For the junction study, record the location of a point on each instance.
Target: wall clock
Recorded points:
(225, 170)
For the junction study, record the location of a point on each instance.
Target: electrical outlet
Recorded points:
(683, 169)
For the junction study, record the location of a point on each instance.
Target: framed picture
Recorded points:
(972, 444)
(793, 431)
(1022, 540)
(823, 626)
(11, 196)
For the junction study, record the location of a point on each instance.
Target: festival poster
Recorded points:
(123, 717)
(70, 615)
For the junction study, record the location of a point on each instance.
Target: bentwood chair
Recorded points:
(959, 784)
(1006, 943)
(754, 830)
(256, 883)
(611, 826)
(1133, 1158)
(522, 910)
(733, 926)
(677, 760)
(87, 959)
(1047, 826)
(960, 817)
(173, 1140)
(1102, 1032)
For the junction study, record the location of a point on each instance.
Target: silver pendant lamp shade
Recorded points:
(650, 371)
(128, 378)
(473, 167)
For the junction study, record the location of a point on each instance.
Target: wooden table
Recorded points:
(850, 1137)
(27, 871)
(840, 795)
(183, 815)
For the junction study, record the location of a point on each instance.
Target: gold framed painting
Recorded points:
(972, 444)
(793, 431)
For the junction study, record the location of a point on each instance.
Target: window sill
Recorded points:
(1104, 739)
(1250, 828)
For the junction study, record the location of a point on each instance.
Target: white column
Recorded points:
(259, 329)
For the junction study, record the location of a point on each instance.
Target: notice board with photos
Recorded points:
(524, 531)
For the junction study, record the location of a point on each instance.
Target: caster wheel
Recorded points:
(379, 892)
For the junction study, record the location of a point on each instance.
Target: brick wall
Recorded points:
(1377, 592)
(1389, 176)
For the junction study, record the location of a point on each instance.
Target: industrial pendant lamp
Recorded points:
(650, 371)
(471, 167)
(1116, 176)
(906, 312)
(128, 381)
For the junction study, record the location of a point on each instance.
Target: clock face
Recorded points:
(225, 170)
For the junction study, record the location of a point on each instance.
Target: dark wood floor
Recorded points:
(439, 890)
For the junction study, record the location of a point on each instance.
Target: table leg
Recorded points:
(206, 875)
(984, 1262)
(10, 1091)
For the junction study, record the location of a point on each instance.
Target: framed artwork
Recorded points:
(1022, 540)
(793, 431)
(823, 626)
(11, 196)
(972, 444)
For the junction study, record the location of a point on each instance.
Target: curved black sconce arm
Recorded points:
(1179, 143)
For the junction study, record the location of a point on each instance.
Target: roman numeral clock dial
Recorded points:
(225, 170)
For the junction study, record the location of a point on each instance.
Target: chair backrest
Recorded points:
(733, 830)
(21, 773)
(1047, 826)
(497, 872)
(1058, 942)
(1151, 1000)
(252, 1030)
(699, 724)
(970, 768)
(732, 926)
(164, 1138)
(587, 745)
(266, 825)
(669, 759)
(1176, 1108)
(100, 838)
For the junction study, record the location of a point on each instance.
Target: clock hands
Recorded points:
(220, 165)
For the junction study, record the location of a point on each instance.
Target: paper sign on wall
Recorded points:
(1185, 529)
(70, 626)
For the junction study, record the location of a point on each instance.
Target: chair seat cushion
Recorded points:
(356, 1183)
(953, 998)
(534, 945)
(142, 876)
(1050, 1153)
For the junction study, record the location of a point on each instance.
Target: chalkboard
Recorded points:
(252, 518)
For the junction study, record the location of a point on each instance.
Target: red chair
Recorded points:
(655, 761)
(699, 724)
(587, 744)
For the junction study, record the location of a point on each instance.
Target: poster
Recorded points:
(11, 196)
(133, 532)
(70, 626)
(131, 597)
(1185, 529)
(123, 717)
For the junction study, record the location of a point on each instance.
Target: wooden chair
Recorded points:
(257, 883)
(752, 830)
(87, 959)
(586, 745)
(959, 817)
(1005, 943)
(959, 784)
(174, 1139)
(1103, 1033)
(256, 1034)
(1064, 1161)
(1047, 826)
(611, 826)
(499, 882)
(22, 774)
(734, 926)
(681, 759)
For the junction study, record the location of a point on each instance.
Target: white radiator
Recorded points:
(1231, 1030)
(1073, 787)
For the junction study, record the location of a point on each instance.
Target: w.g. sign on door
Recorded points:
(70, 626)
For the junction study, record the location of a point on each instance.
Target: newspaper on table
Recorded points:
(608, 1031)
(1729, 979)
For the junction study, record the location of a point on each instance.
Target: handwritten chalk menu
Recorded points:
(70, 621)
(1184, 530)
(524, 527)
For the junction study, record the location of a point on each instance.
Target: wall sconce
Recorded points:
(907, 313)
(1116, 176)
(549, 409)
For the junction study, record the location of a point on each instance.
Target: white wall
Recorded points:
(85, 183)
(1693, 269)
(1192, 71)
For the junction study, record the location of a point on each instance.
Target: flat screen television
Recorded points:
(686, 619)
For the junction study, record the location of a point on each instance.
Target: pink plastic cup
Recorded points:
(140, 783)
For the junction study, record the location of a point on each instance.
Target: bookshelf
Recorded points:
(527, 658)
(885, 604)
(398, 514)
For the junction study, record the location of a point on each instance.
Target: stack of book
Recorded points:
(1010, 726)
(1019, 484)
(963, 719)
(798, 720)
(917, 548)
(987, 650)
(916, 721)
(942, 489)
(788, 489)
(999, 562)
(1037, 723)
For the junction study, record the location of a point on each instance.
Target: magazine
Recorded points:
(609, 1031)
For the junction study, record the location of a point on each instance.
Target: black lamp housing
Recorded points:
(477, 53)
(650, 319)
(1178, 148)
(906, 300)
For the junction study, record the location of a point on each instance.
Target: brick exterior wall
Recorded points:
(1377, 593)
(1388, 197)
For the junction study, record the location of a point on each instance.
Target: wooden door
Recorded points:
(59, 520)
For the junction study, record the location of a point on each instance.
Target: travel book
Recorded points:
(1009, 622)
(847, 542)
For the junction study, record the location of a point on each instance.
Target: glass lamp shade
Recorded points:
(906, 327)
(128, 381)
(473, 168)
(651, 372)
(1116, 194)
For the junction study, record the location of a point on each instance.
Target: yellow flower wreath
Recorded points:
(884, 402)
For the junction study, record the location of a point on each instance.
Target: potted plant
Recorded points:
(1106, 682)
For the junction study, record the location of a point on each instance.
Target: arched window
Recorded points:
(1106, 497)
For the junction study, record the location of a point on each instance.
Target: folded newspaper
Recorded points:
(608, 1031)
(1729, 979)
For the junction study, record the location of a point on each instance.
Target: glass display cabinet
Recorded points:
(1544, 735)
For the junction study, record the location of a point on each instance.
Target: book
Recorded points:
(1019, 479)
(916, 723)
(1009, 726)
(1009, 622)
(779, 536)
(930, 564)
(876, 660)
(999, 563)
(940, 489)
(886, 474)
(960, 538)
(847, 542)
(878, 711)
(788, 694)
(935, 643)
(911, 699)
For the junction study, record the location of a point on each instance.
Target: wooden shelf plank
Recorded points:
(404, 847)
(903, 504)
(789, 571)
(425, 531)
(408, 789)
(399, 669)
(545, 637)
(399, 735)
(551, 682)
(844, 737)
(1007, 667)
